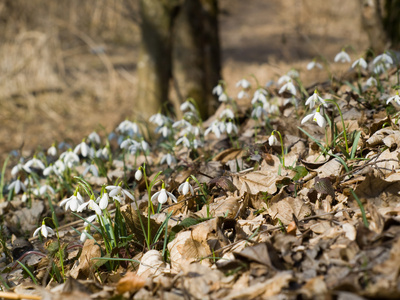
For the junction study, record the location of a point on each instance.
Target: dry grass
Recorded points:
(68, 66)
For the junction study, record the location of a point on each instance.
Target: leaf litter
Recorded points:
(316, 221)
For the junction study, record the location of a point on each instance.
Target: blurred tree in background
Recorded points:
(381, 21)
(180, 48)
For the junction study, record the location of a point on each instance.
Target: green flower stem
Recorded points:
(344, 126)
(283, 150)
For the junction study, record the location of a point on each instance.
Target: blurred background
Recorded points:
(69, 67)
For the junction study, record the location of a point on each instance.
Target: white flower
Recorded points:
(116, 192)
(293, 73)
(138, 175)
(185, 187)
(15, 170)
(383, 59)
(43, 189)
(162, 196)
(187, 105)
(84, 236)
(371, 82)
(164, 130)
(241, 94)
(91, 205)
(82, 148)
(243, 83)
(35, 163)
(169, 159)
(72, 202)
(92, 169)
(258, 111)
(288, 86)
(103, 201)
(52, 151)
(230, 127)
(259, 96)
(17, 186)
(223, 97)
(184, 141)
(342, 56)
(69, 158)
(314, 98)
(227, 113)
(272, 139)
(311, 65)
(218, 90)
(44, 230)
(128, 127)
(159, 119)
(216, 127)
(89, 220)
(395, 98)
(284, 79)
(316, 117)
(359, 62)
(94, 138)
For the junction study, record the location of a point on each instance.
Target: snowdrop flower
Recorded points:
(19, 167)
(311, 65)
(230, 128)
(188, 105)
(92, 169)
(314, 98)
(159, 119)
(72, 202)
(17, 186)
(316, 117)
(35, 163)
(223, 97)
(215, 128)
(126, 144)
(185, 188)
(181, 124)
(91, 205)
(242, 94)
(184, 141)
(59, 167)
(288, 86)
(371, 82)
(169, 159)
(259, 96)
(162, 196)
(164, 130)
(342, 57)
(243, 83)
(43, 190)
(258, 111)
(218, 90)
(227, 113)
(383, 59)
(103, 201)
(89, 220)
(272, 140)
(84, 236)
(69, 158)
(284, 79)
(118, 193)
(82, 148)
(293, 73)
(52, 151)
(395, 98)
(94, 138)
(360, 63)
(138, 174)
(44, 230)
(129, 128)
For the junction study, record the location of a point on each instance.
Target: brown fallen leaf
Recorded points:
(89, 251)
(130, 283)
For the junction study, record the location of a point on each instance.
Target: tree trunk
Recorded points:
(372, 22)
(179, 41)
(196, 54)
(391, 22)
(154, 63)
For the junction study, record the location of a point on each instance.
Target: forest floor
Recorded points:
(299, 202)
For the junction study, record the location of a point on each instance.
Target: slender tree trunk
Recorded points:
(391, 22)
(154, 63)
(372, 22)
(196, 54)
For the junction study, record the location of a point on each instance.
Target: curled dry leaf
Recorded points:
(90, 250)
(130, 283)
(151, 264)
(285, 208)
(350, 231)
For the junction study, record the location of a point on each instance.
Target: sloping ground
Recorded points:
(54, 88)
